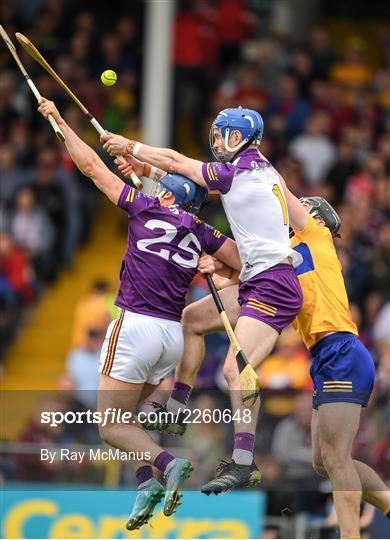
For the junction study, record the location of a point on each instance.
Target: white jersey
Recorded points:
(253, 199)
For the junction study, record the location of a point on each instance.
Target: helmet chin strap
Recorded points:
(161, 194)
(243, 145)
(229, 148)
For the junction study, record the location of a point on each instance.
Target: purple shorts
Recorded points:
(273, 296)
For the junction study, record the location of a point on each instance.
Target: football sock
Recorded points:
(143, 474)
(179, 397)
(163, 460)
(243, 448)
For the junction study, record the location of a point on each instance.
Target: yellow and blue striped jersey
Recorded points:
(325, 303)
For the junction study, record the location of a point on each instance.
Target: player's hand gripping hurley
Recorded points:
(249, 381)
(34, 53)
(32, 86)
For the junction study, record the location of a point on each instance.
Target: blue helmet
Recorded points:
(188, 195)
(248, 122)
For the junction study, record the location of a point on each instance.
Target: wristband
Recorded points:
(153, 173)
(150, 172)
(136, 149)
(147, 170)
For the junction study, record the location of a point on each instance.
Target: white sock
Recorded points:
(174, 406)
(242, 457)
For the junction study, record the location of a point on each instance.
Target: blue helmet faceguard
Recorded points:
(319, 207)
(188, 195)
(248, 122)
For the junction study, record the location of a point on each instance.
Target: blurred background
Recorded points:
(319, 73)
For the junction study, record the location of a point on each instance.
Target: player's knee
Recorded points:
(105, 432)
(231, 374)
(319, 468)
(333, 459)
(190, 321)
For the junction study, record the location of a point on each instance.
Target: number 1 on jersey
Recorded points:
(278, 193)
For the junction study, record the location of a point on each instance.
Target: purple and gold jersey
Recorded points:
(163, 248)
(252, 196)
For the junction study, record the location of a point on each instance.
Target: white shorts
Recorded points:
(139, 348)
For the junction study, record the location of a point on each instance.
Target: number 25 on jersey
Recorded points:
(168, 236)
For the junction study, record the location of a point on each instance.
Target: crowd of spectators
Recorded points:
(47, 206)
(327, 130)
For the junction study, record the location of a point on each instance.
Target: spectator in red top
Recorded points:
(234, 25)
(330, 99)
(244, 90)
(362, 184)
(191, 61)
(15, 267)
(33, 231)
(188, 50)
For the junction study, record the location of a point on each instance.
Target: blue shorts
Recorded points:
(342, 370)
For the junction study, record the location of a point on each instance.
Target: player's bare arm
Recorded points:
(132, 164)
(210, 265)
(222, 274)
(163, 158)
(297, 213)
(222, 282)
(84, 157)
(228, 255)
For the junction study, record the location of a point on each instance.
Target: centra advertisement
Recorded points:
(37, 511)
